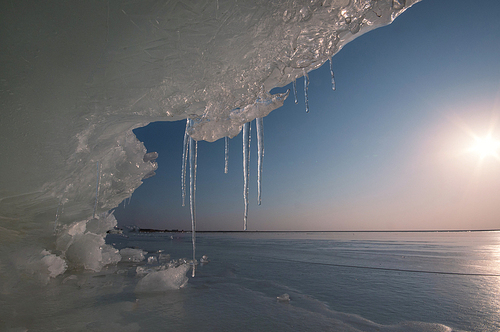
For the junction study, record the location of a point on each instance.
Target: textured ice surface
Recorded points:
(78, 76)
(164, 280)
(132, 255)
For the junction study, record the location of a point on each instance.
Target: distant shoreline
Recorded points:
(151, 230)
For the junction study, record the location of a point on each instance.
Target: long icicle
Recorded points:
(332, 74)
(294, 88)
(97, 189)
(193, 156)
(246, 173)
(184, 162)
(306, 89)
(226, 154)
(259, 123)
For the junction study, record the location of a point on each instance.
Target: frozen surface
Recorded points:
(239, 289)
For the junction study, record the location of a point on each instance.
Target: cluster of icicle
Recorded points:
(190, 151)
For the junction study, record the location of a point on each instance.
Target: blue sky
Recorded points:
(386, 151)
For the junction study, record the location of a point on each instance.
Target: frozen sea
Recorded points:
(336, 281)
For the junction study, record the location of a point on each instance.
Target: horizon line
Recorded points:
(322, 231)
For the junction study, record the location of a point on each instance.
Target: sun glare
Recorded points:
(486, 146)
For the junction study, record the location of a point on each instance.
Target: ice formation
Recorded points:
(77, 77)
(133, 255)
(294, 87)
(259, 123)
(226, 154)
(193, 156)
(306, 91)
(283, 298)
(334, 86)
(163, 280)
(246, 173)
(82, 243)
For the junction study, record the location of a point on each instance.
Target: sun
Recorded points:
(486, 147)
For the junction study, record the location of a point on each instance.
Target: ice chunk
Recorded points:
(110, 255)
(132, 255)
(101, 226)
(41, 264)
(164, 280)
(152, 260)
(204, 260)
(82, 243)
(55, 265)
(283, 298)
(85, 251)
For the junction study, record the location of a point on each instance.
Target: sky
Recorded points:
(390, 149)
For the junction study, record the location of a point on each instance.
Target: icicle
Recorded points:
(333, 76)
(97, 189)
(294, 88)
(306, 88)
(184, 162)
(246, 174)
(226, 154)
(259, 123)
(193, 156)
(126, 201)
